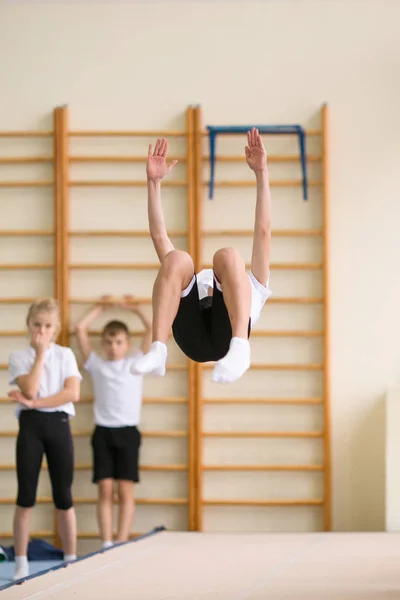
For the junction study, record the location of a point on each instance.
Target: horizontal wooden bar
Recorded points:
(39, 534)
(148, 501)
(136, 300)
(282, 401)
(119, 133)
(149, 266)
(13, 333)
(150, 400)
(286, 334)
(275, 503)
(115, 158)
(263, 434)
(26, 134)
(272, 183)
(21, 300)
(293, 300)
(25, 160)
(262, 467)
(26, 184)
(26, 267)
(250, 232)
(276, 367)
(89, 466)
(122, 183)
(81, 535)
(123, 233)
(89, 432)
(26, 232)
(309, 266)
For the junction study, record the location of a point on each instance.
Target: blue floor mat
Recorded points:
(7, 569)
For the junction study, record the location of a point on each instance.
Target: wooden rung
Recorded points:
(22, 300)
(25, 160)
(25, 134)
(115, 266)
(95, 158)
(26, 267)
(89, 432)
(26, 184)
(115, 133)
(282, 300)
(264, 434)
(123, 233)
(26, 232)
(276, 367)
(137, 300)
(284, 334)
(89, 466)
(122, 183)
(308, 132)
(149, 501)
(98, 332)
(250, 232)
(273, 183)
(309, 266)
(262, 468)
(283, 502)
(13, 333)
(282, 401)
(89, 400)
(92, 535)
(272, 158)
(40, 534)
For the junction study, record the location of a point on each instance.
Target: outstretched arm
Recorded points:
(257, 160)
(156, 169)
(128, 304)
(82, 327)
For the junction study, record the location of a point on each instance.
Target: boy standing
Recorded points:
(117, 403)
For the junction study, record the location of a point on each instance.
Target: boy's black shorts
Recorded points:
(116, 453)
(202, 328)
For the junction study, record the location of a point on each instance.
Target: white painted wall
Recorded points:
(138, 65)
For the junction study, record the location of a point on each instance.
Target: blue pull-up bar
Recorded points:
(274, 129)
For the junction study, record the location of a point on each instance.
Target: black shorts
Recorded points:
(116, 453)
(202, 328)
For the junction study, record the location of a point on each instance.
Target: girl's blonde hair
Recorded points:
(44, 305)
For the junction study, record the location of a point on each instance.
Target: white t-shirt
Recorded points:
(59, 364)
(259, 292)
(117, 393)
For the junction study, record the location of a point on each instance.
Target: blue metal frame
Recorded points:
(214, 130)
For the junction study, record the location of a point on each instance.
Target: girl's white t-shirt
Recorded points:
(60, 364)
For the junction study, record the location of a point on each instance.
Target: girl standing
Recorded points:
(48, 383)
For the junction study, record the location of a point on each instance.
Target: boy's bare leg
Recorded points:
(105, 507)
(175, 274)
(230, 271)
(126, 510)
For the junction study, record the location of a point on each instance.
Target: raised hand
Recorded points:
(40, 343)
(256, 155)
(106, 302)
(20, 398)
(127, 302)
(157, 167)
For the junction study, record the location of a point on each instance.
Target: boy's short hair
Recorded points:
(113, 328)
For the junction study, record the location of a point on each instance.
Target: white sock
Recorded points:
(69, 557)
(106, 545)
(21, 567)
(234, 364)
(153, 362)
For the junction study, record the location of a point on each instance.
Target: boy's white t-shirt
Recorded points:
(259, 292)
(59, 364)
(117, 393)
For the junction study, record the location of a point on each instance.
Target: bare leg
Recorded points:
(230, 271)
(105, 511)
(22, 517)
(66, 521)
(175, 274)
(126, 510)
